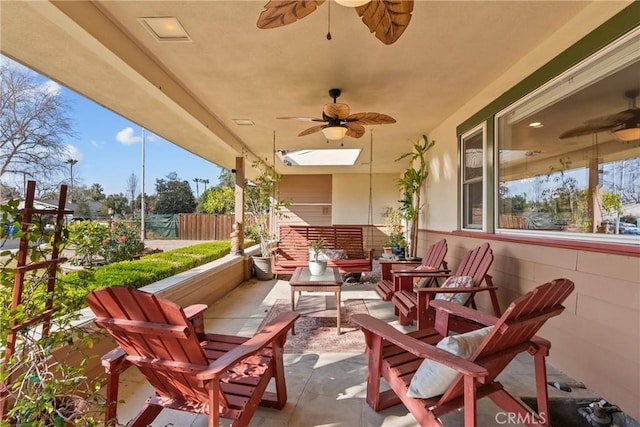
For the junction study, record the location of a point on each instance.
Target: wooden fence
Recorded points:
(205, 226)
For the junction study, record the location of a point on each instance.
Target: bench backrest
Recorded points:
(294, 240)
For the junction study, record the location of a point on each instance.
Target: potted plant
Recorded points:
(317, 262)
(395, 242)
(410, 185)
(44, 373)
(263, 204)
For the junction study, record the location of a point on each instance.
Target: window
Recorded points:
(563, 165)
(472, 169)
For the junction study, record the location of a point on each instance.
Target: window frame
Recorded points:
(464, 220)
(581, 75)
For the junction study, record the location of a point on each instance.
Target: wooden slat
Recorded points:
(158, 338)
(293, 245)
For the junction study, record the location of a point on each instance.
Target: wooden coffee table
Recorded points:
(303, 281)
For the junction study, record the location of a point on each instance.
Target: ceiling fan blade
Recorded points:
(278, 13)
(604, 123)
(386, 18)
(336, 110)
(585, 130)
(371, 118)
(354, 130)
(311, 130)
(302, 119)
(614, 119)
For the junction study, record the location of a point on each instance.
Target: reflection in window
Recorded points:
(472, 179)
(562, 164)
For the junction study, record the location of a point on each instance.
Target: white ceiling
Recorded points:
(190, 93)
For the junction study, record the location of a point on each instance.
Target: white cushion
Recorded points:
(456, 282)
(433, 378)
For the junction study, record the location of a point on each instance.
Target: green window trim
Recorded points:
(622, 23)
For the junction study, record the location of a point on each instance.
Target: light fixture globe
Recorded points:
(352, 3)
(333, 133)
(627, 134)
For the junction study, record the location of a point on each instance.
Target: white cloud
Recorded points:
(127, 137)
(95, 144)
(51, 87)
(72, 152)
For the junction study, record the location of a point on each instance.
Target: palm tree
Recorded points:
(205, 182)
(71, 162)
(197, 180)
(97, 192)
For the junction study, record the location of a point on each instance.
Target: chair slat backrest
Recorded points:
(476, 263)
(148, 328)
(435, 255)
(515, 329)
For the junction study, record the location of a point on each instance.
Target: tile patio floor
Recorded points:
(326, 389)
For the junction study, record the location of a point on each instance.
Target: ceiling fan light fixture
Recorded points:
(627, 134)
(334, 133)
(352, 3)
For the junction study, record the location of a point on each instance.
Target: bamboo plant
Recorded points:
(410, 184)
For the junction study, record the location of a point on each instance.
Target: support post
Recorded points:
(237, 236)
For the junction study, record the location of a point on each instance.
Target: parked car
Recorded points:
(628, 228)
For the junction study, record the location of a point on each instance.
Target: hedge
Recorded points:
(138, 273)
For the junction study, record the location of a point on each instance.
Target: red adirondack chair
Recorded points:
(412, 303)
(432, 261)
(397, 357)
(190, 370)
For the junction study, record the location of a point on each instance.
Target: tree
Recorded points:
(96, 192)
(150, 202)
(174, 196)
(227, 179)
(34, 122)
(82, 209)
(117, 202)
(205, 182)
(197, 181)
(217, 200)
(9, 192)
(132, 186)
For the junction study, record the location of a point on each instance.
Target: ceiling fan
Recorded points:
(338, 120)
(625, 125)
(386, 18)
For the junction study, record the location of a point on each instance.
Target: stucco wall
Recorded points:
(597, 339)
(351, 197)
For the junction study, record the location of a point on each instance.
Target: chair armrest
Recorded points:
(466, 313)
(115, 360)
(369, 253)
(195, 315)
(420, 349)
(455, 290)
(280, 325)
(423, 273)
(194, 310)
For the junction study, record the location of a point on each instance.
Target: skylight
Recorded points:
(327, 157)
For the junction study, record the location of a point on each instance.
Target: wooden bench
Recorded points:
(292, 249)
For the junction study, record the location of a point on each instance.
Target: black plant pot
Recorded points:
(398, 251)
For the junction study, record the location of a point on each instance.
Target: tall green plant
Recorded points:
(410, 184)
(263, 202)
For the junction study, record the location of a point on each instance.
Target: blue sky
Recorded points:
(108, 148)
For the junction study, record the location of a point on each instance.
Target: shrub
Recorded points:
(142, 272)
(121, 244)
(86, 237)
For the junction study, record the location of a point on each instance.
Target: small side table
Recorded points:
(386, 265)
(330, 281)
